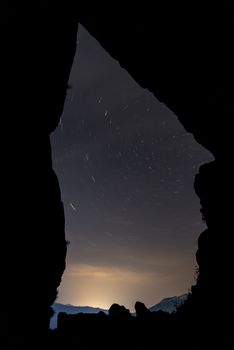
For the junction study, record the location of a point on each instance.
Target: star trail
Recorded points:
(126, 168)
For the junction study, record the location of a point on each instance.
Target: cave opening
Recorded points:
(126, 169)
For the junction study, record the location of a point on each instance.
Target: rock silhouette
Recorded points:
(183, 54)
(141, 310)
(35, 64)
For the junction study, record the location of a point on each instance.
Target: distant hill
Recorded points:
(70, 309)
(169, 304)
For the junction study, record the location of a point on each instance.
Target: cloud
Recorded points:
(108, 272)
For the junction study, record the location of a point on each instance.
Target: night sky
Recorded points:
(126, 168)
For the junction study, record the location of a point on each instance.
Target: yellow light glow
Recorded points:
(101, 286)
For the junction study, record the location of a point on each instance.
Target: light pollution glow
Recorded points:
(101, 286)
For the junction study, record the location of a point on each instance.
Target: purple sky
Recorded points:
(126, 169)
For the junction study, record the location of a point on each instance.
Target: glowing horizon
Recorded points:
(101, 286)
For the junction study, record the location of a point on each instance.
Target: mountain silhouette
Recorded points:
(71, 309)
(169, 304)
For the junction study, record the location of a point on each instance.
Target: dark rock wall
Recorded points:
(182, 53)
(37, 48)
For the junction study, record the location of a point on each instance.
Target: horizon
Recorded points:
(131, 310)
